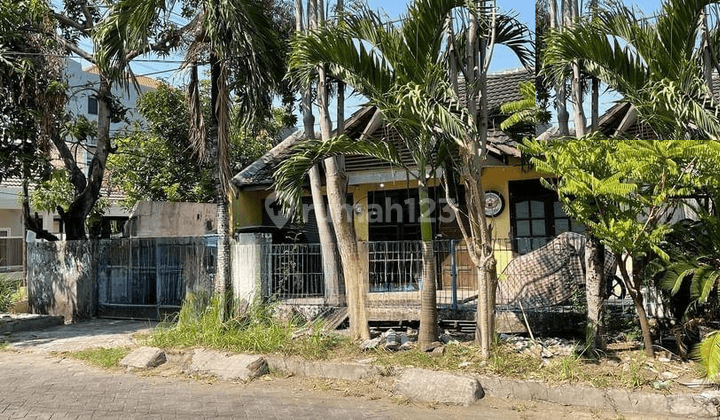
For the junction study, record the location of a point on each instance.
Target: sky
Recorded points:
(503, 59)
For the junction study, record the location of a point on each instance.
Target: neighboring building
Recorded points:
(81, 82)
(166, 219)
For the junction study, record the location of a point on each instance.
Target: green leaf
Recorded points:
(708, 353)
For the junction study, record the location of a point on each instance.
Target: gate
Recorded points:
(148, 277)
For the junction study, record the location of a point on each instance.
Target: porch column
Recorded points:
(250, 270)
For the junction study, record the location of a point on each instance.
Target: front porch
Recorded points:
(292, 275)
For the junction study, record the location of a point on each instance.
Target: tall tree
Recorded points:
(238, 40)
(405, 75)
(328, 246)
(624, 192)
(484, 29)
(155, 161)
(32, 96)
(655, 65)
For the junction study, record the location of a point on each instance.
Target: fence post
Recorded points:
(453, 273)
(266, 268)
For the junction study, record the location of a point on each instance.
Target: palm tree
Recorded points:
(656, 66)
(236, 38)
(403, 72)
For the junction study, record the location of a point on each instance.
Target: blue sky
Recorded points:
(503, 59)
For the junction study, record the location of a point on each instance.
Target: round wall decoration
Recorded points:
(494, 203)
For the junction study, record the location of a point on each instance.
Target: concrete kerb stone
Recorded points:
(624, 401)
(144, 358)
(229, 367)
(438, 387)
(10, 323)
(351, 371)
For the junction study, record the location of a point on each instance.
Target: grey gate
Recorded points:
(148, 278)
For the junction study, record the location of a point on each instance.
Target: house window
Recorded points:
(536, 216)
(4, 232)
(92, 106)
(394, 215)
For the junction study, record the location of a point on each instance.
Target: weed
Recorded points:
(101, 357)
(8, 292)
(201, 322)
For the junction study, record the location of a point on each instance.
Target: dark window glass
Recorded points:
(92, 106)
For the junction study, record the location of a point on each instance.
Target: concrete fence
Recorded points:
(128, 277)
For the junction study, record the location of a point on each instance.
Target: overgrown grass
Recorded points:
(100, 357)
(8, 292)
(200, 323)
(507, 362)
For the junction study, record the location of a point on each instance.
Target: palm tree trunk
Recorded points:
(707, 56)
(595, 99)
(336, 188)
(595, 293)
(428, 300)
(560, 94)
(577, 88)
(330, 258)
(222, 273)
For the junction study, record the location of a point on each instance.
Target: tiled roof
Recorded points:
(142, 80)
(502, 87)
(114, 194)
(260, 172)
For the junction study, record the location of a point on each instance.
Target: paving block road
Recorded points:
(34, 385)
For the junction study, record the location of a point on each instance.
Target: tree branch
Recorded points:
(69, 22)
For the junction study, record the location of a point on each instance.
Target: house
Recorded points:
(80, 102)
(384, 203)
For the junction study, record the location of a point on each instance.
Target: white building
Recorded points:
(82, 83)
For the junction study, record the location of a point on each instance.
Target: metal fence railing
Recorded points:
(11, 252)
(154, 271)
(295, 271)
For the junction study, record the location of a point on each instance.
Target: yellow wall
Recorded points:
(247, 208)
(497, 179)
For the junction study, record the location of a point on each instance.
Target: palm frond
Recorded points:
(197, 131)
(127, 29)
(289, 176)
(708, 353)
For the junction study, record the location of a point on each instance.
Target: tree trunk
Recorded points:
(222, 276)
(87, 193)
(349, 253)
(428, 300)
(560, 94)
(595, 106)
(328, 248)
(222, 273)
(340, 212)
(634, 288)
(577, 88)
(595, 293)
(707, 56)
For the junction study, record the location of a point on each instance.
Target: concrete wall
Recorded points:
(81, 279)
(171, 219)
(11, 219)
(61, 279)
